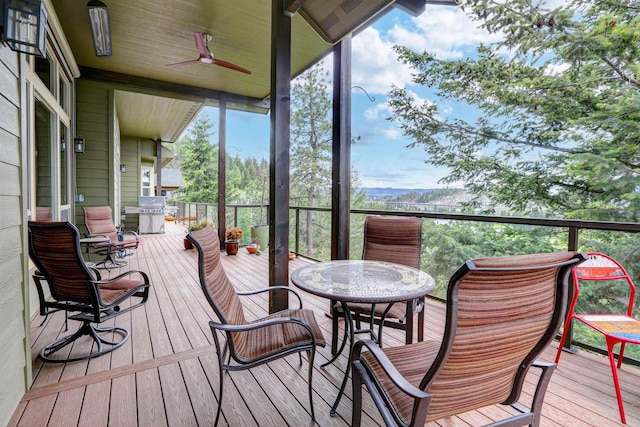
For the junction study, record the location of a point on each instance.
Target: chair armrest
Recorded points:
(96, 272)
(273, 288)
(107, 241)
(262, 323)
(144, 275)
(141, 290)
(123, 231)
(391, 371)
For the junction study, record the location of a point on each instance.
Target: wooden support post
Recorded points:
(222, 168)
(341, 167)
(279, 155)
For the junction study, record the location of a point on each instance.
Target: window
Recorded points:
(50, 147)
(147, 183)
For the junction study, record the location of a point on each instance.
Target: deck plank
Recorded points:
(167, 373)
(149, 393)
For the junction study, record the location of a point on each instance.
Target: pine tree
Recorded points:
(310, 145)
(198, 164)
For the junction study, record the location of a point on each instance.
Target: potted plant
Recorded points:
(233, 236)
(260, 231)
(195, 227)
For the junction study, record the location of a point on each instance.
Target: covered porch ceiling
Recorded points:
(159, 101)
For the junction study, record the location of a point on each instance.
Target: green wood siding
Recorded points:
(130, 180)
(95, 168)
(14, 289)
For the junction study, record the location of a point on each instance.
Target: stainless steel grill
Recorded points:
(151, 210)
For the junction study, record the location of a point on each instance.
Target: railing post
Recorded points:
(235, 216)
(297, 235)
(572, 245)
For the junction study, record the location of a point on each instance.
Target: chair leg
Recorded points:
(614, 374)
(85, 329)
(421, 325)
(356, 387)
(621, 354)
(334, 328)
(408, 337)
(312, 355)
(541, 389)
(562, 338)
(221, 385)
(221, 353)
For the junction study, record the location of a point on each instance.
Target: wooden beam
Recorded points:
(413, 7)
(341, 163)
(292, 6)
(416, 7)
(159, 167)
(171, 90)
(279, 155)
(222, 169)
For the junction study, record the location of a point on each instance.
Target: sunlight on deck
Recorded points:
(166, 374)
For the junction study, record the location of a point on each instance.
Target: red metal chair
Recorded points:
(614, 319)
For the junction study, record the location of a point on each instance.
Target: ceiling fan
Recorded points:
(206, 56)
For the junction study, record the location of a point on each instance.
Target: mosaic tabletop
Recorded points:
(363, 281)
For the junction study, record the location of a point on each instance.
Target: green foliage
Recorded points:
(199, 225)
(447, 245)
(311, 157)
(558, 99)
(198, 164)
(311, 139)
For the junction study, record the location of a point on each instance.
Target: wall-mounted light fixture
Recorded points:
(24, 26)
(100, 27)
(63, 145)
(123, 168)
(78, 145)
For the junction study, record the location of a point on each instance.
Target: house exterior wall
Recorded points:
(98, 169)
(130, 180)
(14, 293)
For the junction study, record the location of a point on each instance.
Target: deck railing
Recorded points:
(300, 216)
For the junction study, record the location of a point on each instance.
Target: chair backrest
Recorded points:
(617, 287)
(54, 247)
(393, 239)
(214, 281)
(501, 313)
(99, 221)
(43, 213)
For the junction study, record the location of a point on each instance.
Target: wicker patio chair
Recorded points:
(390, 239)
(614, 319)
(99, 222)
(501, 314)
(245, 343)
(54, 248)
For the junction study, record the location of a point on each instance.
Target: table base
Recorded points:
(349, 333)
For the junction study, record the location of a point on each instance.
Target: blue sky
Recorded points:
(380, 156)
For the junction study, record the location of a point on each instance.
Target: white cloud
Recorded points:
(377, 112)
(557, 69)
(375, 65)
(444, 31)
(391, 133)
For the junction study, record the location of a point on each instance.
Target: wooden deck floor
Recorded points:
(166, 374)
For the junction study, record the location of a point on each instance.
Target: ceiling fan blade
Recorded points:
(231, 66)
(194, 61)
(201, 45)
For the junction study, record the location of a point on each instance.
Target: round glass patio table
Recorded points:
(361, 281)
